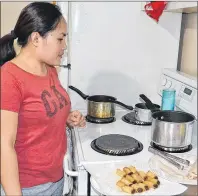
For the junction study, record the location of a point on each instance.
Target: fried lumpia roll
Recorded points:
(137, 188)
(120, 184)
(120, 173)
(154, 181)
(151, 174)
(127, 170)
(142, 174)
(150, 184)
(144, 186)
(131, 179)
(128, 189)
(126, 182)
(137, 177)
(133, 169)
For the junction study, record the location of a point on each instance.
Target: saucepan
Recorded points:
(100, 106)
(143, 111)
(170, 129)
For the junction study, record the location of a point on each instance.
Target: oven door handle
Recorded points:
(66, 167)
(71, 173)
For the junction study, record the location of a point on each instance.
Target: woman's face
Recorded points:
(51, 48)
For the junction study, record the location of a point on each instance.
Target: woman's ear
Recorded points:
(35, 38)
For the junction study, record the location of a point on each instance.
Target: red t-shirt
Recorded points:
(43, 106)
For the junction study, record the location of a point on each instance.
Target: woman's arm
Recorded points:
(9, 163)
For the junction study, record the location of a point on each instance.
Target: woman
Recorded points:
(34, 106)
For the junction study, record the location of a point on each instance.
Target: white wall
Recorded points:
(116, 49)
(9, 14)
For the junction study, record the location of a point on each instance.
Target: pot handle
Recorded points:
(122, 104)
(79, 92)
(148, 103)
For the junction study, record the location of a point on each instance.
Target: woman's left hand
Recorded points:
(76, 119)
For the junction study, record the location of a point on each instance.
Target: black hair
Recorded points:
(40, 17)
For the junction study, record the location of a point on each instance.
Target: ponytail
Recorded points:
(7, 51)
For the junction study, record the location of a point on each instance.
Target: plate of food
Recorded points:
(166, 170)
(129, 178)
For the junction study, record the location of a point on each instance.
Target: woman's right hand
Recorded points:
(76, 119)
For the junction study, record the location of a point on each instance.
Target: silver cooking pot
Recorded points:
(172, 129)
(100, 106)
(142, 113)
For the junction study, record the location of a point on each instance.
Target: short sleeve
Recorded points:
(11, 96)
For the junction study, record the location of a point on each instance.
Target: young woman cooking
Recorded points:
(35, 108)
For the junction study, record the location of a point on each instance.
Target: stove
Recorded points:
(84, 139)
(116, 145)
(100, 120)
(172, 150)
(130, 118)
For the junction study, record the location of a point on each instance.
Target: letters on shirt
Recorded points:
(46, 98)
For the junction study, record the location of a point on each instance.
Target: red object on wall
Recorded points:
(154, 9)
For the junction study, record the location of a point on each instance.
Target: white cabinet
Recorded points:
(184, 7)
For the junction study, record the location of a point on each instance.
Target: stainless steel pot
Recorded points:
(142, 113)
(98, 109)
(100, 106)
(172, 129)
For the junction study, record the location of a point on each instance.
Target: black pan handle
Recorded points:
(79, 92)
(122, 104)
(149, 103)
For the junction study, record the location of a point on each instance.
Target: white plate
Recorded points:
(169, 172)
(105, 177)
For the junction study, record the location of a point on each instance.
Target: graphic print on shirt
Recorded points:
(46, 98)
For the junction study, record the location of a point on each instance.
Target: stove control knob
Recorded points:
(168, 84)
(164, 81)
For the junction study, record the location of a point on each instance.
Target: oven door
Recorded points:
(68, 175)
(69, 165)
(81, 183)
(78, 183)
(77, 179)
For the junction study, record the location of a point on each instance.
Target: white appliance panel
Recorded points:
(186, 89)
